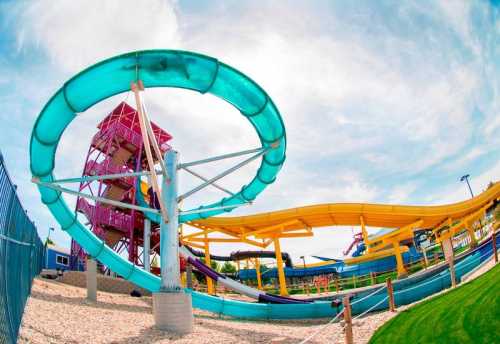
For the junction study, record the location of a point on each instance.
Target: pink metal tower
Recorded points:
(116, 148)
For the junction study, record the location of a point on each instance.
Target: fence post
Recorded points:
(390, 293)
(372, 277)
(337, 284)
(494, 241)
(348, 320)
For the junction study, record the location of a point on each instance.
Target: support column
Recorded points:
(364, 234)
(172, 308)
(257, 271)
(281, 271)
(189, 276)
(449, 256)
(473, 240)
(169, 238)
(91, 279)
(399, 260)
(426, 260)
(210, 283)
(147, 245)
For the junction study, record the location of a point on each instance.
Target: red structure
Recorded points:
(116, 148)
(358, 238)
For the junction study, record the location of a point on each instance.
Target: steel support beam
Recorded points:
(223, 174)
(147, 245)
(94, 198)
(221, 157)
(169, 238)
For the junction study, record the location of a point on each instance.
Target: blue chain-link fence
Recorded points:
(21, 258)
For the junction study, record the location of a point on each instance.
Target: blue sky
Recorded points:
(383, 101)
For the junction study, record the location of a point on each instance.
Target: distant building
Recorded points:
(57, 258)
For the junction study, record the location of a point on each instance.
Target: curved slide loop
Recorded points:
(164, 68)
(157, 68)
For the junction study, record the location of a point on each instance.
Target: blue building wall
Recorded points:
(56, 259)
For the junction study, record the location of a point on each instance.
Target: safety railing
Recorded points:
(21, 257)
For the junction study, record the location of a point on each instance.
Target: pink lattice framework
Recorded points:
(116, 148)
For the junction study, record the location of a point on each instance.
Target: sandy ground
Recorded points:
(58, 313)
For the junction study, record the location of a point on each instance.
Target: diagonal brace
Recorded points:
(223, 174)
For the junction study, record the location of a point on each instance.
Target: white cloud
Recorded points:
(398, 103)
(471, 155)
(76, 35)
(401, 193)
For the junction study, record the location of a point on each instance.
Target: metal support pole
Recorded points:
(399, 260)
(281, 271)
(257, 271)
(149, 154)
(169, 238)
(147, 245)
(210, 283)
(466, 178)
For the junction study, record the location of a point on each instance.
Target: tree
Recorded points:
(49, 242)
(228, 268)
(214, 265)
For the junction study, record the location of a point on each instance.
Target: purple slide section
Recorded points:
(270, 298)
(204, 269)
(267, 298)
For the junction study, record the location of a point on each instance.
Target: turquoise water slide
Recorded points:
(167, 68)
(163, 68)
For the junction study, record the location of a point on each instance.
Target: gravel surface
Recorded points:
(59, 313)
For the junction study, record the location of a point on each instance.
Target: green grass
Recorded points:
(467, 314)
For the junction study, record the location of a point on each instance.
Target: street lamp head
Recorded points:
(464, 177)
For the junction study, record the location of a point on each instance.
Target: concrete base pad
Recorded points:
(173, 312)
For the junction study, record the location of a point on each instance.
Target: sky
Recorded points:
(383, 101)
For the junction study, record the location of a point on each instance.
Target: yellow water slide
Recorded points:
(265, 228)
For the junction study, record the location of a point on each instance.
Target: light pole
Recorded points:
(303, 260)
(304, 280)
(51, 229)
(466, 179)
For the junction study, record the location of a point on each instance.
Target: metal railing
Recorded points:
(21, 258)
